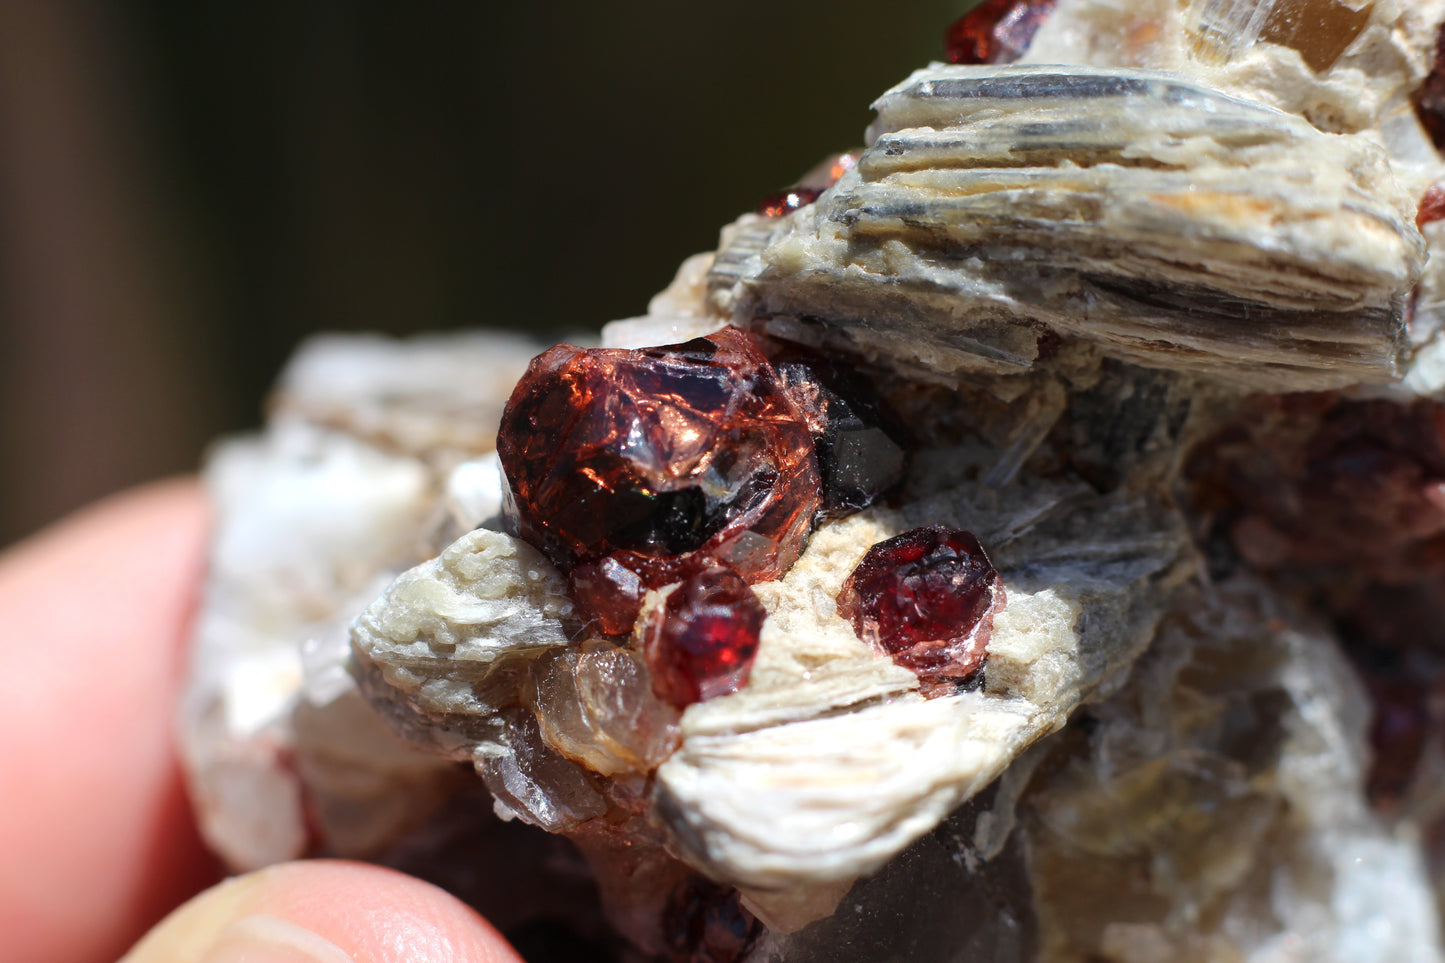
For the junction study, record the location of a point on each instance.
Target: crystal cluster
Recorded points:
(1022, 539)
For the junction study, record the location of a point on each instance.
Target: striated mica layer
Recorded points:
(1025, 542)
(1108, 205)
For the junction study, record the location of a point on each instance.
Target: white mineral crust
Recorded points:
(314, 519)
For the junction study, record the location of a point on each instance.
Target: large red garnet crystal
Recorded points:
(662, 460)
(701, 642)
(927, 598)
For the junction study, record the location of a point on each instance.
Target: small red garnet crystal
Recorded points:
(996, 31)
(701, 642)
(788, 201)
(657, 462)
(1432, 206)
(927, 598)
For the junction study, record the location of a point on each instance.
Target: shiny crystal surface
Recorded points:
(861, 457)
(701, 642)
(610, 593)
(927, 598)
(788, 201)
(661, 459)
(595, 704)
(996, 31)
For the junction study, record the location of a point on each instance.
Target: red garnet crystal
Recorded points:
(996, 31)
(700, 643)
(609, 593)
(1432, 206)
(660, 461)
(788, 201)
(927, 598)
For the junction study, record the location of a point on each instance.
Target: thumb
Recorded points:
(323, 912)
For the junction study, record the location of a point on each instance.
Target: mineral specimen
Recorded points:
(1155, 314)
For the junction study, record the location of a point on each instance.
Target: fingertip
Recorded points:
(101, 843)
(324, 912)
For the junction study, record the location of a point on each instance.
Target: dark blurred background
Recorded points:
(187, 190)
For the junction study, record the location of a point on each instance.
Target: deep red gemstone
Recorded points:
(927, 598)
(842, 164)
(609, 594)
(661, 459)
(701, 642)
(996, 31)
(788, 201)
(1432, 206)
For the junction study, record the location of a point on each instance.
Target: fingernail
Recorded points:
(270, 939)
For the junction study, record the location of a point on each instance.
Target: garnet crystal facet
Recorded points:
(700, 643)
(662, 461)
(996, 31)
(855, 435)
(927, 598)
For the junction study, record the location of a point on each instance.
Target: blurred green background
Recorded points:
(189, 189)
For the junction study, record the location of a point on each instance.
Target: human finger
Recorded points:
(323, 911)
(98, 837)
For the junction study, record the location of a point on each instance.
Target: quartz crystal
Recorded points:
(861, 457)
(1028, 543)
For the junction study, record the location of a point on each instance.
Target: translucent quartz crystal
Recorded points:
(662, 459)
(927, 598)
(596, 705)
(534, 781)
(1321, 30)
(701, 642)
